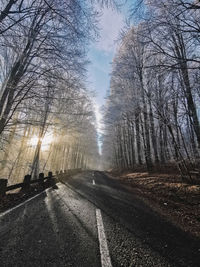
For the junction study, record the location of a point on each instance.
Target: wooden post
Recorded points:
(41, 178)
(50, 178)
(50, 175)
(3, 186)
(26, 182)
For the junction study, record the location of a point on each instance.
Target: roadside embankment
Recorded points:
(168, 195)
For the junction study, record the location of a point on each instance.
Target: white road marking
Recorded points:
(23, 203)
(93, 182)
(105, 256)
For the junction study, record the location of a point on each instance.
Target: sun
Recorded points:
(46, 141)
(33, 141)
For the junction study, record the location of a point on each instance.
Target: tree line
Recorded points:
(46, 113)
(152, 114)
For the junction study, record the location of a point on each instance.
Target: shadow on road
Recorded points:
(45, 232)
(145, 227)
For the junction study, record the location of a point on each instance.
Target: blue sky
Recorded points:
(102, 52)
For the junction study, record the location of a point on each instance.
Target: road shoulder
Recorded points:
(164, 194)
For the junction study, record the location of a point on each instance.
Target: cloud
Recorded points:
(110, 24)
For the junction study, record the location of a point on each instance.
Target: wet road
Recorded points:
(89, 221)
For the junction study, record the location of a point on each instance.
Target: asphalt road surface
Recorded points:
(90, 221)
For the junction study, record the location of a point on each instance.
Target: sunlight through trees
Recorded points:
(46, 114)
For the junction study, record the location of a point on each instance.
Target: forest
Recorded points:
(100, 133)
(47, 120)
(152, 115)
(151, 118)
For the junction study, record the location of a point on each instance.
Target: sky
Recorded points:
(101, 54)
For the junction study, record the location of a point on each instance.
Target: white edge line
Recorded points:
(23, 203)
(105, 256)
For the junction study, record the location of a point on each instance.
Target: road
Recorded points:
(91, 220)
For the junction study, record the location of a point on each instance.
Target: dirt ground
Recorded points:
(165, 193)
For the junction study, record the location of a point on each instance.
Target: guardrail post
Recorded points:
(41, 178)
(50, 178)
(50, 175)
(3, 185)
(26, 182)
